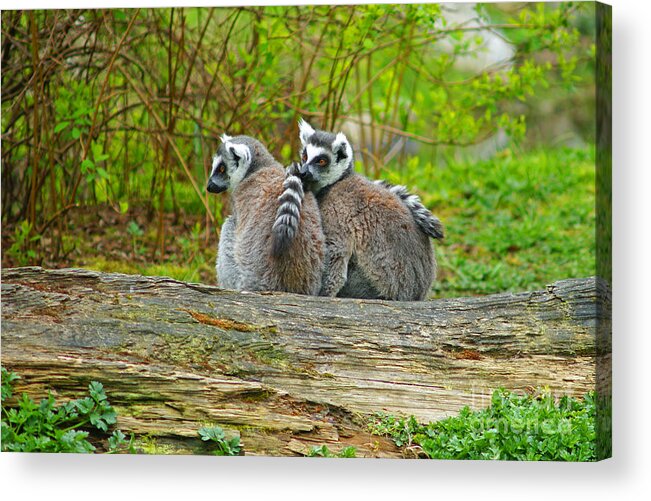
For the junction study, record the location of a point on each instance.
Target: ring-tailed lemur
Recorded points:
(250, 258)
(377, 237)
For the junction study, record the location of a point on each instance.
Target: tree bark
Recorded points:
(284, 371)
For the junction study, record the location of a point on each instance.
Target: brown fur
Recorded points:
(255, 202)
(367, 226)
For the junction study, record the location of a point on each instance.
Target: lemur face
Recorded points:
(325, 158)
(229, 165)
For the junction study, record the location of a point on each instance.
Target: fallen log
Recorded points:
(286, 371)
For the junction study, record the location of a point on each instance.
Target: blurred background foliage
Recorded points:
(110, 117)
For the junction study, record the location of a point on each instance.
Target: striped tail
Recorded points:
(288, 216)
(424, 219)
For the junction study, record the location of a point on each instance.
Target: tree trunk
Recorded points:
(284, 371)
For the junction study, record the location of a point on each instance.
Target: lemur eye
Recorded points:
(221, 168)
(304, 157)
(322, 162)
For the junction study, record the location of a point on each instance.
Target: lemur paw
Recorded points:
(293, 169)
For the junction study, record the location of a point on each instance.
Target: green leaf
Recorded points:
(235, 443)
(110, 416)
(76, 133)
(214, 433)
(134, 230)
(60, 126)
(348, 452)
(96, 390)
(116, 440)
(47, 427)
(7, 383)
(85, 405)
(87, 165)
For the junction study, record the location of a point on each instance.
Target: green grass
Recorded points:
(514, 222)
(514, 427)
(199, 270)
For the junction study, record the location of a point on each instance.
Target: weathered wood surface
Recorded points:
(287, 371)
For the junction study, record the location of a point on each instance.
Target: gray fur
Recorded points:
(374, 246)
(228, 273)
(357, 283)
(426, 221)
(245, 168)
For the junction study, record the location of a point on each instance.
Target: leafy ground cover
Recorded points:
(222, 446)
(322, 451)
(80, 425)
(514, 427)
(28, 426)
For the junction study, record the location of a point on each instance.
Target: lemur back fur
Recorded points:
(374, 247)
(426, 221)
(246, 258)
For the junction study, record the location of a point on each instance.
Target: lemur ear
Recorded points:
(341, 147)
(225, 138)
(305, 131)
(240, 152)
